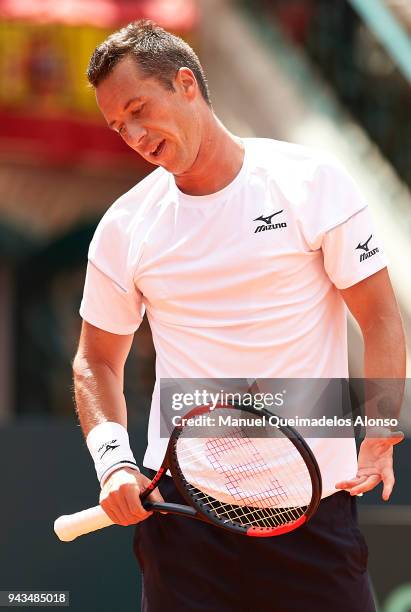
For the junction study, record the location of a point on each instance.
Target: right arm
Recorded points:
(98, 373)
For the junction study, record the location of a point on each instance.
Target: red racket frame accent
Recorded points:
(153, 484)
(264, 532)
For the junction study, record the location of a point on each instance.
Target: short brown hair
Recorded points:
(158, 54)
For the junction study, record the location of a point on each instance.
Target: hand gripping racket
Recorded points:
(245, 475)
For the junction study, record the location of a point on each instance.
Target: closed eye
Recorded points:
(137, 111)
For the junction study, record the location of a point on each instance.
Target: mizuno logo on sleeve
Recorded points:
(364, 247)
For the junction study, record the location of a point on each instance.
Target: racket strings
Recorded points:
(246, 516)
(235, 475)
(261, 482)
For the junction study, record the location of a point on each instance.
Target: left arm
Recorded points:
(373, 305)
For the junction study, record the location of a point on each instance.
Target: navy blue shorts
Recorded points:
(190, 566)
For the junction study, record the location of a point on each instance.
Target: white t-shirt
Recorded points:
(242, 283)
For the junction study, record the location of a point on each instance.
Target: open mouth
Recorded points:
(159, 149)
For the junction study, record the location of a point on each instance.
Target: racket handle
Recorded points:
(71, 526)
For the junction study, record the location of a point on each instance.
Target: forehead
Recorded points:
(124, 82)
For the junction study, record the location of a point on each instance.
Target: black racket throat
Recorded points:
(260, 513)
(178, 509)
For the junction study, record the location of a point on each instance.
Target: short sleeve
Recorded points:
(108, 305)
(111, 300)
(333, 198)
(352, 251)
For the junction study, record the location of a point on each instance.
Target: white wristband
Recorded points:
(109, 446)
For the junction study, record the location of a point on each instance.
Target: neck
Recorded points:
(219, 160)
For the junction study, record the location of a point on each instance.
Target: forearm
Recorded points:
(384, 349)
(98, 394)
(384, 366)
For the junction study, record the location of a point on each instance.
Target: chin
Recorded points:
(166, 165)
(183, 168)
(160, 164)
(173, 167)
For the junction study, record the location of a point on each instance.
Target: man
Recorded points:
(242, 253)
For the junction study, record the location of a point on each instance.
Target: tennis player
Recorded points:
(244, 254)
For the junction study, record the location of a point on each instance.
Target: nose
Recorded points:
(135, 135)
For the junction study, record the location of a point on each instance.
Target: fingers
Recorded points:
(120, 497)
(366, 485)
(133, 503)
(155, 496)
(118, 507)
(388, 482)
(360, 484)
(375, 464)
(117, 517)
(348, 484)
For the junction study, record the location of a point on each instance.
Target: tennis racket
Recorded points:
(252, 478)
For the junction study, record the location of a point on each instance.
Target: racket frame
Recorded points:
(194, 509)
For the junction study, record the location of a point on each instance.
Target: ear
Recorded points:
(186, 82)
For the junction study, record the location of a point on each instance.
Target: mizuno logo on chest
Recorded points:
(263, 228)
(268, 223)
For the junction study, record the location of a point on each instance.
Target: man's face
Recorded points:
(161, 125)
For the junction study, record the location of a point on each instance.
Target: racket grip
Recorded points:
(71, 526)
